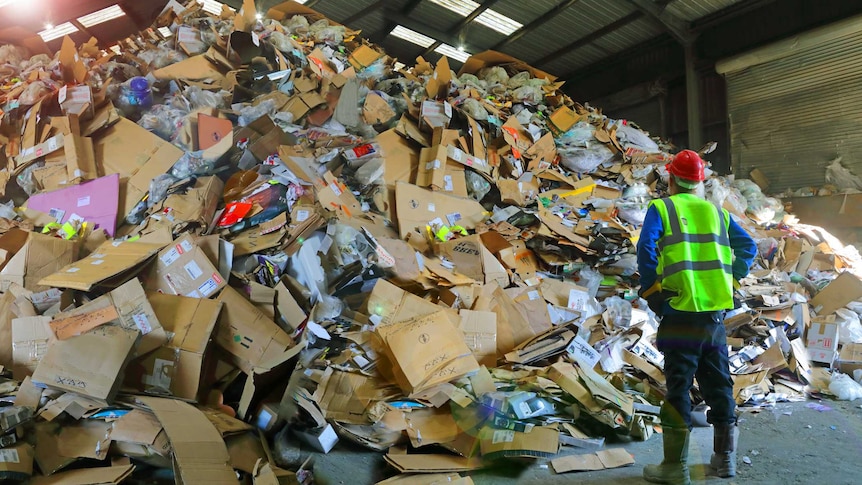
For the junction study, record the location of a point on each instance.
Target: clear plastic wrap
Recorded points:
(494, 75)
(163, 120)
(584, 160)
(630, 136)
(628, 264)
(12, 54)
(579, 135)
(632, 212)
(528, 94)
(619, 312)
(192, 163)
(205, 99)
(477, 186)
(25, 178)
(470, 80)
(590, 279)
(161, 57)
(474, 109)
(281, 41)
(7, 210)
(844, 387)
(841, 177)
(39, 60)
(249, 114)
(321, 31)
(297, 24)
(518, 80)
(33, 93)
(849, 327)
(716, 191)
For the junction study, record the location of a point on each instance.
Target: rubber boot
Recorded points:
(723, 460)
(674, 468)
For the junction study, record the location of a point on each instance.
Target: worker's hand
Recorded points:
(655, 302)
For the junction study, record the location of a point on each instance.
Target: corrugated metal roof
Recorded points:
(524, 12)
(631, 35)
(690, 10)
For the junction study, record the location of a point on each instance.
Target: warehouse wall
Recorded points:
(796, 105)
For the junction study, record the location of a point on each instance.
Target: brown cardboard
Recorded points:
(184, 269)
(490, 58)
(152, 157)
(602, 460)
(850, 358)
(428, 350)
(80, 158)
(178, 366)
(41, 256)
(90, 364)
(431, 463)
(841, 291)
(111, 259)
(562, 120)
(363, 57)
(135, 312)
(192, 69)
(417, 208)
(480, 334)
(199, 453)
(376, 110)
(196, 207)
(500, 443)
(66, 326)
(30, 338)
(16, 462)
(85, 439)
(393, 305)
(88, 476)
(290, 313)
(253, 340)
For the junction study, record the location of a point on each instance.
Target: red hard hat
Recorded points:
(687, 165)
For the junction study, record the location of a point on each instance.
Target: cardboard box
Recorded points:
(177, 367)
(16, 462)
(417, 208)
(480, 335)
(254, 341)
(320, 439)
(91, 364)
(111, 265)
(850, 358)
(184, 269)
(200, 455)
(841, 291)
(152, 157)
(31, 337)
(427, 351)
(39, 258)
(196, 208)
(823, 335)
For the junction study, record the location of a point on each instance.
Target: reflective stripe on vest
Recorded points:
(697, 264)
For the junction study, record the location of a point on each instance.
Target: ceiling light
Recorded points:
(57, 31)
(451, 52)
(412, 36)
(101, 16)
(49, 26)
(489, 18)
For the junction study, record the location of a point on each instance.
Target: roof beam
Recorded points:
(535, 24)
(589, 38)
(677, 27)
(727, 14)
(365, 11)
(460, 26)
(400, 19)
(379, 36)
(311, 3)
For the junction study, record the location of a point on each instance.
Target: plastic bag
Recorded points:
(844, 387)
(33, 93)
(494, 75)
(716, 191)
(12, 54)
(321, 31)
(161, 57)
(297, 24)
(7, 210)
(528, 94)
(585, 160)
(204, 99)
(630, 136)
(370, 172)
(477, 186)
(163, 120)
(474, 109)
(619, 312)
(249, 114)
(579, 135)
(841, 177)
(628, 263)
(591, 280)
(518, 80)
(849, 327)
(632, 212)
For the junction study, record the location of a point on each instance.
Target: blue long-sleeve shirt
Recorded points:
(743, 246)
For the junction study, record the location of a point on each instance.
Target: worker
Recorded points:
(691, 255)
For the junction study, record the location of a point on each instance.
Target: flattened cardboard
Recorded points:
(212, 130)
(601, 460)
(499, 443)
(16, 462)
(197, 68)
(432, 463)
(88, 476)
(136, 313)
(90, 364)
(150, 157)
(254, 341)
(40, 257)
(200, 455)
(417, 208)
(480, 334)
(111, 259)
(850, 358)
(197, 206)
(31, 337)
(95, 202)
(392, 304)
(841, 291)
(184, 269)
(490, 58)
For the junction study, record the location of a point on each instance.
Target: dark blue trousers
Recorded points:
(695, 345)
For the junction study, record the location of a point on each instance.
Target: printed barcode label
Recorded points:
(193, 270)
(9, 456)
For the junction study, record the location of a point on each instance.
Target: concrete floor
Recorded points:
(791, 443)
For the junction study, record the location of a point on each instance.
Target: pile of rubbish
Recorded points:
(235, 233)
